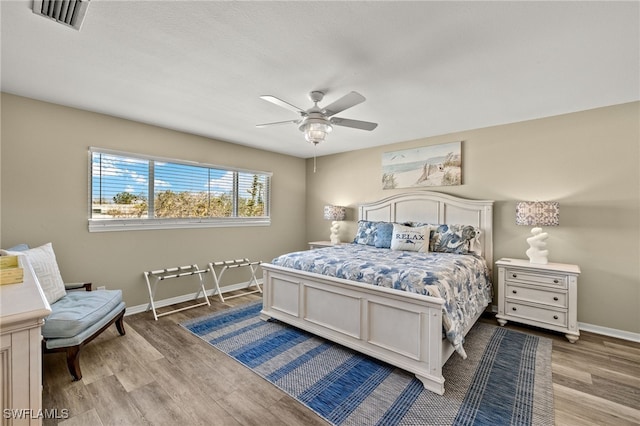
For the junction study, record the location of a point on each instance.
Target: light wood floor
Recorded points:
(160, 374)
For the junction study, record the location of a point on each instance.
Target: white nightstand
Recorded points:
(321, 244)
(542, 295)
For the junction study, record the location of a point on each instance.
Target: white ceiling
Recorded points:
(426, 68)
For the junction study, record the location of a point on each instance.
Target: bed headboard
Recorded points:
(434, 207)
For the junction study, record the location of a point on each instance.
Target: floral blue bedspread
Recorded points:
(462, 280)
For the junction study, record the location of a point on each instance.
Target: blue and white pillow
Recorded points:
(382, 234)
(410, 238)
(457, 239)
(366, 233)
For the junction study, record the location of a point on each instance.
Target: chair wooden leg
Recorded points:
(120, 324)
(73, 362)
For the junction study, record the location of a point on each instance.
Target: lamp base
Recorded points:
(335, 227)
(537, 243)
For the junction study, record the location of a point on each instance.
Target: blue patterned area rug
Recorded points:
(505, 380)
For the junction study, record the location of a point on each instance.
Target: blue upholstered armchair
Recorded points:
(78, 315)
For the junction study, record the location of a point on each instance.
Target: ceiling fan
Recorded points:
(316, 122)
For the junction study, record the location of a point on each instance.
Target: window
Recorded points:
(130, 191)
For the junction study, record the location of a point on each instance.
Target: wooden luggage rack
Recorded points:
(219, 268)
(170, 273)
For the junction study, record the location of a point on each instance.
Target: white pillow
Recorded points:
(44, 264)
(410, 238)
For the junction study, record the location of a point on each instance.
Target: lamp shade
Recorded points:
(538, 213)
(335, 212)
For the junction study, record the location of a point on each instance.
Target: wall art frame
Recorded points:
(427, 166)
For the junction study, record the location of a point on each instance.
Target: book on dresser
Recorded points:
(542, 295)
(10, 271)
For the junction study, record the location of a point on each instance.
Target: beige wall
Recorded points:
(45, 198)
(588, 161)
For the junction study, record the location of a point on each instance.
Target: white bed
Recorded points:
(366, 317)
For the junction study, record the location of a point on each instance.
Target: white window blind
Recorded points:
(132, 191)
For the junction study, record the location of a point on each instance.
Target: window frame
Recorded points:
(134, 224)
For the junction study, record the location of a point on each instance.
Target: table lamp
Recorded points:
(538, 213)
(335, 214)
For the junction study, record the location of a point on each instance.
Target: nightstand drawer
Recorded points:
(543, 296)
(548, 316)
(536, 278)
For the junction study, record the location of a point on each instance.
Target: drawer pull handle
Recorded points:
(555, 317)
(555, 298)
(514, 275)
(514, 292)
(514, 308)
(556, 281)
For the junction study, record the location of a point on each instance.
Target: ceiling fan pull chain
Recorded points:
(314, 157)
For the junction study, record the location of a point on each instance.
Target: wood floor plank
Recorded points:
(157, 407)
(288, 412)
(132, 378)
(597, 407)
(633, 347)
(60, 392)
(91, 355)
(116, 355)
(616, 392)
(593, 361)
(113, 404)
(137, 346)
(87, 418)
(571, 372)
(612, 349)
(77, 398)
(246, 411)
(632, 380)
(54, 372)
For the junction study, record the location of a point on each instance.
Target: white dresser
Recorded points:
(541, 295)
(23, 308)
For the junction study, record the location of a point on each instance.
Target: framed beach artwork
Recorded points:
(434, 165)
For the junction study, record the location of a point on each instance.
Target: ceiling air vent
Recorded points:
(67, 12)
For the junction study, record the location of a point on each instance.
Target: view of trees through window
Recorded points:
(120, 188)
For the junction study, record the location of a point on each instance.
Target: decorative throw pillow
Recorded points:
(44, 264)
(410, 238)
(455, 239)
(382, 234)
(19, 247)
(366, 233)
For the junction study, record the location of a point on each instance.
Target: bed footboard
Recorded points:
(402, 329)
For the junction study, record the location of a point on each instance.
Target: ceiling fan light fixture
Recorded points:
(316, 122)
(315, 130)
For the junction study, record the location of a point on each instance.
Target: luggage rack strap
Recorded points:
(218, 269)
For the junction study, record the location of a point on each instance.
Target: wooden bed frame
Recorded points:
(367, 318)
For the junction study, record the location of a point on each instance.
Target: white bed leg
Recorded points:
(264, 317)
(433, 384)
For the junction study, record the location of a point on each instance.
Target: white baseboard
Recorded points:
(605, 331)
(611, 332)
(185, 298)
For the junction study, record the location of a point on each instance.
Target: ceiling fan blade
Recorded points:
(278, 123)
(282, 103)
(347, 101)
(356, 124)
